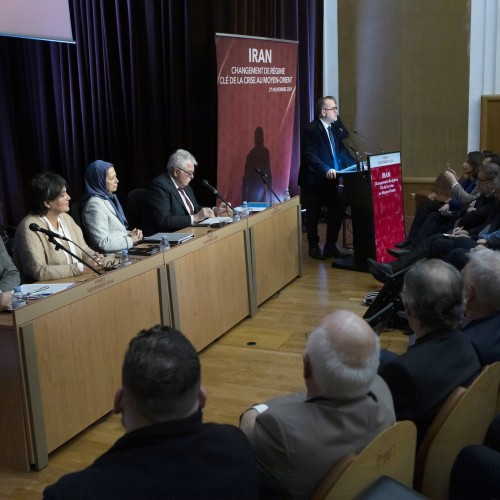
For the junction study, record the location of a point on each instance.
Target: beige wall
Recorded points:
(413, 96)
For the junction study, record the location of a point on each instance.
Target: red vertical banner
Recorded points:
(256, 82)
(387, 197)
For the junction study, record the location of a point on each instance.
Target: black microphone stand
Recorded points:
(265, 180)
(358, 157)
(58, 246)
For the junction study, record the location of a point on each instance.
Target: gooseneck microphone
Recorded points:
(370, 141)
(51, 234)
(205, 183)
(36, 228)
(265, 180)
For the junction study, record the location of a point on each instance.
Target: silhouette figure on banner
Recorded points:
(253, 188)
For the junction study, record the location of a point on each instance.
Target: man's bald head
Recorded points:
(343, 354)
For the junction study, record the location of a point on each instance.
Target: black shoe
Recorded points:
(398, 252)
(315, 253)
(380, 271)
(334, 252)
(403, 244)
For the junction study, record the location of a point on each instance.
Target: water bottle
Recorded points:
(246, 211)
(125, 259)
(236, 216)
(18, 299)
(164, 244)
(286, 195)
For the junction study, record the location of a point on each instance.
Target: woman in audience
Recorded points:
(433, 213)
(36, 256)
(102, 215)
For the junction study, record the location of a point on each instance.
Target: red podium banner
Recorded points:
(387, 198)
(256, 81)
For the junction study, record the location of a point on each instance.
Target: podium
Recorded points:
(375, 196)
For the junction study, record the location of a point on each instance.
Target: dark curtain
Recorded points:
(139, 83)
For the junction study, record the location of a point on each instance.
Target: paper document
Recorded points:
(43, 289)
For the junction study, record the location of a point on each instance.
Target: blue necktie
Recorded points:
(332, 143)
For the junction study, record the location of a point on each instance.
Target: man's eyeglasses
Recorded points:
(479, 181)
(330, 109)
(189, 174)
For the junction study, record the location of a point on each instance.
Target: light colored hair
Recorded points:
(433, 292)
(179, 159)
(483, 271)
(333, 368)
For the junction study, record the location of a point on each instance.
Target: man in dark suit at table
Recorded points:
(442, 357)
(167, 451)
(323, 154)
(170, 201)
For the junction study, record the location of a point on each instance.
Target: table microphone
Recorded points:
(205, 183)
(36, 228)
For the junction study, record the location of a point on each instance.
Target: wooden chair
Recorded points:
(462, 420)
(440, 191)
(391, 453)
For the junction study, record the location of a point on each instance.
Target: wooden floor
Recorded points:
(258, 359)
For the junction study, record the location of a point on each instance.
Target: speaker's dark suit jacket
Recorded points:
(181, 459)
(317, 157)
(422, 378)
(165, 210)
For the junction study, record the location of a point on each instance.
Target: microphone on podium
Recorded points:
(370, 141)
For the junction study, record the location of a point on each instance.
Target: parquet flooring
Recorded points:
(234, 373)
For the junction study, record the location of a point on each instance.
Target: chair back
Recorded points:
(462, 420)
(135, 207)
(391, 453)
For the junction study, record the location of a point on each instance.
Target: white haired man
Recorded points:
(481, 277)
(170, 201)
(298, 438)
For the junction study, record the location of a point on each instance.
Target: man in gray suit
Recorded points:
(299, 437)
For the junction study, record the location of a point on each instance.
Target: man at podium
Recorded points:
(323, 154)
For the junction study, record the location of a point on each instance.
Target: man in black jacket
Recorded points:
(323, 154)
(166, 452)
(442, 357)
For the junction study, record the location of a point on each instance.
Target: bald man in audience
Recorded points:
(442, 358)
(481, 278)
(299, 437)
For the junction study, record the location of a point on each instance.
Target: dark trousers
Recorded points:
(314, 201)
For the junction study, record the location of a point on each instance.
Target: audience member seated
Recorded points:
(170, 201)
(442, 358)
(35, 256)
(166, 452)
(473, 220)
(456, 250)
(9, 278)
(102, 216)
(434, 213)
(476, 472)
(481, 278)
(299, 437)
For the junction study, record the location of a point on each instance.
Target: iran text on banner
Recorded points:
(387, 197)
(256, 81)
